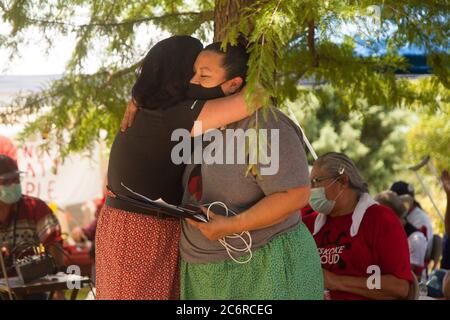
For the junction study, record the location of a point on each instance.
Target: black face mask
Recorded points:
(196, 91)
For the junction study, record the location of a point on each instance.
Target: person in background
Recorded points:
(416, 216)
(80, 234)
(7, 148)
(25, 222)
(416, 239)
(445, 262)
(355, 236)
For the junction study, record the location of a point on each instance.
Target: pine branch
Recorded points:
(205, 15)
(121, 73)
(29, 104)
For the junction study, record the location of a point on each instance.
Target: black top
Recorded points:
(410, 229)
(141, 156)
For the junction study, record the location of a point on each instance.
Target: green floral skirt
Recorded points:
(287, 267)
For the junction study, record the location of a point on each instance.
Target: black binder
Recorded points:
(161, 207)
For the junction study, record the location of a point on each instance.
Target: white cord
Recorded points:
(229, 248)
(305, 138)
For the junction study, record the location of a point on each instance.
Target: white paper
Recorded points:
(160, 202)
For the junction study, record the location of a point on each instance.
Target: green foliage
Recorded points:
(289, 41)
(431, 136)
(83, 105)
(88, 105)
(293, 40)
(374, 139)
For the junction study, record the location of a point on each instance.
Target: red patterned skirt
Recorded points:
(137, 256)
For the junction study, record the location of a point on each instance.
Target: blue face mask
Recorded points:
(319, 202)
(10, 194)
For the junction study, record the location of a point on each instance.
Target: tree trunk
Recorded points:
(225, 12)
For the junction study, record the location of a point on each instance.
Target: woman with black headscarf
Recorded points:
(137, 254)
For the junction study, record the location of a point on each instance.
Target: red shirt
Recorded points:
(380, 241)
(306, 211)
(34, 222)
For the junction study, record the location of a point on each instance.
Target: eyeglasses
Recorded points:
(317, 180)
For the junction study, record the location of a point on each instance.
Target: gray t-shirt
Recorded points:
(229, 183)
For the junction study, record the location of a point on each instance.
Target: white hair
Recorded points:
(335, 163)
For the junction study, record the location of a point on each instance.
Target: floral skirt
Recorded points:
(137, 256)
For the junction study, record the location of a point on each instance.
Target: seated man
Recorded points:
(416, 239)
(25, 221)
(416, 215)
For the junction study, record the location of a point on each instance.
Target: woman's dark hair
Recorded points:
(235, 58)
(165, 72)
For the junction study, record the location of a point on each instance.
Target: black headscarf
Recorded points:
(165, 72)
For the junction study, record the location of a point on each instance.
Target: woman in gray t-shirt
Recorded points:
(283, 263)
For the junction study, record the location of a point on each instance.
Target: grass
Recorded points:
(82, 294)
